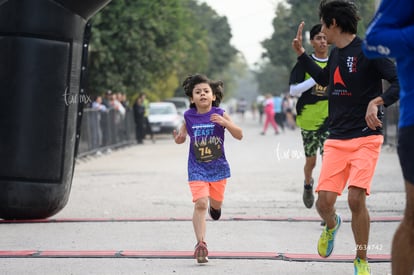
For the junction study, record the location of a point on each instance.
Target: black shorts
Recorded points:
(406, 152)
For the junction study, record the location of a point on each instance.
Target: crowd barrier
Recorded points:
(101, 130)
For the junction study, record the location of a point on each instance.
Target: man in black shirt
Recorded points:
(355, 123)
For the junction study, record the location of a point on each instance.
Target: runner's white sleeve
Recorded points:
(298, 89)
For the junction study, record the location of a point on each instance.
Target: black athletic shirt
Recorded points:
(353, 80)
(312, 105)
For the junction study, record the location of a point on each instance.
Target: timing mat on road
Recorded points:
(298, 257)
(166, 219)
(185, 255)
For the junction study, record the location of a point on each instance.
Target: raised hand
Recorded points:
(297, 41)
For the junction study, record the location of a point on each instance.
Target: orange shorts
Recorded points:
(352, 161)
(214, 190)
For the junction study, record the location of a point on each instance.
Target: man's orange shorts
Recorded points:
(214, 190)
(351, 161)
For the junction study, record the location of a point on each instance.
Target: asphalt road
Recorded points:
(129, 212)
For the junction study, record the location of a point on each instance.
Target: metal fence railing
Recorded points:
(105, 129)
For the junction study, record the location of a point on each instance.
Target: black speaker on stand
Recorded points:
(41, 54)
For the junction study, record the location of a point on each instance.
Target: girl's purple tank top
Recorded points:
(206, 159)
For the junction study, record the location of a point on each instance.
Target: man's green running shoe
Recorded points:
(361, 267)
(327, 238)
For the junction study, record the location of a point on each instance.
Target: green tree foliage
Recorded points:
(212, 43)
(366, 11)
(147, 45)
(218, 32)
(278, 50)
(272, 79)
(278, 47)
(128, 36)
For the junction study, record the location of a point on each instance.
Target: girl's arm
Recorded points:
(179, 137)
(227, 123)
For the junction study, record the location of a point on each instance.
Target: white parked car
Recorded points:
(181, 103)
(164, 117)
